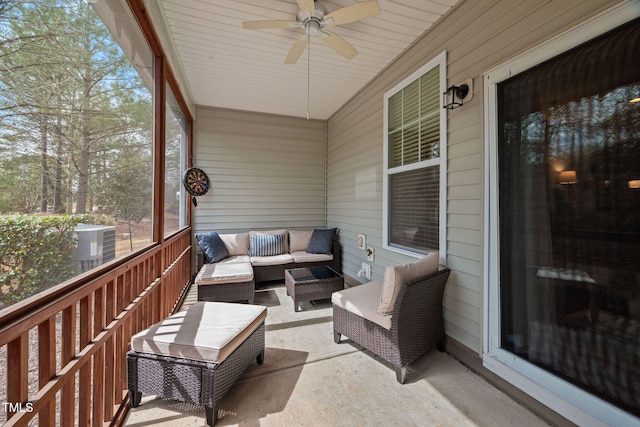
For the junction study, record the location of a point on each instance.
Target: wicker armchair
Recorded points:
(416, 323)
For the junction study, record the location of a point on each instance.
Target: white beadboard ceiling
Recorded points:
(227, 66)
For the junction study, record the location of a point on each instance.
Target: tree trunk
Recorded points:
(85, 146)
(58, 206)
(69, 187)
(83, 176)
(44, 177)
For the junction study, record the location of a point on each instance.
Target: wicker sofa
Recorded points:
(399, 319)
(299, 250)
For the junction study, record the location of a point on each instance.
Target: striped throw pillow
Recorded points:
(266, 245)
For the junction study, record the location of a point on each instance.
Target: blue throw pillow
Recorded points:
(321, 241)
(266, 244)
(212, 246)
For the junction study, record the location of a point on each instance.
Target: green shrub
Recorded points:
(35, 253)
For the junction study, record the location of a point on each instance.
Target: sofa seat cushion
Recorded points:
(261, 261)
(206, 331)
(395, 276)
(237, 259)
(221, 272)
(363, 300)
(302, 256)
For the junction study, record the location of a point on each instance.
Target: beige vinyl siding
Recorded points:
(355, 143)
(267, 171)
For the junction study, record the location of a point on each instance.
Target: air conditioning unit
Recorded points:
(95, 245)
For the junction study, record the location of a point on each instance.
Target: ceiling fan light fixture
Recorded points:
(313, 27)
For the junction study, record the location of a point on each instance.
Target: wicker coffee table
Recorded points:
(312, 283)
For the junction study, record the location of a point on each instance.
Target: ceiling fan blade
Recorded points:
(297, 49)
(261, 25)
(353, 13)
(340, 45)
(307, 6)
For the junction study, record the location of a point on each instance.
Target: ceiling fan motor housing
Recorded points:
(313, 23)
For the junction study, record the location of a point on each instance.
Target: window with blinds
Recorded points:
(414, 121)
(414, 209)
(413, 132)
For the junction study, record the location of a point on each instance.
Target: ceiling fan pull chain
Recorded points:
(308, 77)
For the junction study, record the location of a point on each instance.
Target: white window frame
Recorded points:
(568, 400)
(438, 61)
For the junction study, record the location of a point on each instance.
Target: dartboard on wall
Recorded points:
(196, 182)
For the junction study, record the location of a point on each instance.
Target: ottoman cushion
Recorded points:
(206, 331)
(210, 274)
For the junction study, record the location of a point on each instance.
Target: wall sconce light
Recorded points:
(567, 177)
(634, 183)
(455, 96)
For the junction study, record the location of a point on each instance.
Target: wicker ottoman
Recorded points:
(196, 355)
(226, 282)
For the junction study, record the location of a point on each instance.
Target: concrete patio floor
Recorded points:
(308, 380)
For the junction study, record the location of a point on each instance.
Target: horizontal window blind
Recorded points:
(414, 206)
(414, 121)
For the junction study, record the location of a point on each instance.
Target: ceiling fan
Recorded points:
(315, 19)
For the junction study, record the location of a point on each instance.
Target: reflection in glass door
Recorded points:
(569, 216)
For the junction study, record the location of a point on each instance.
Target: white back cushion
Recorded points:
(299, 240)
(237, 244)
(395, 276)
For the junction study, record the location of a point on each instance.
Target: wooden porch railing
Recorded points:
(75, 337)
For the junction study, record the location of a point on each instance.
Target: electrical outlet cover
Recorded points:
(362, 241)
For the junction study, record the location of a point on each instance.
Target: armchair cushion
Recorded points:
(212, 246)
(321, 241)
(395, 276)
(363, 301)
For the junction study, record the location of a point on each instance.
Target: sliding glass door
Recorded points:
(568, 158)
